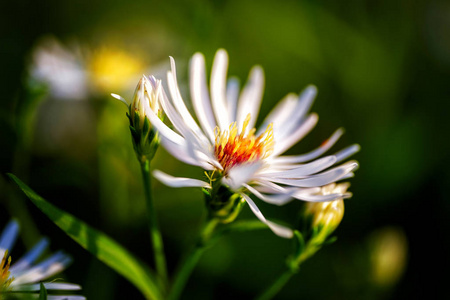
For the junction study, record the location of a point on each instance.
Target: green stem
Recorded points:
(155, 234)
(270, 292)
(191, 260)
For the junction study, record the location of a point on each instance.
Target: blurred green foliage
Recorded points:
(382, 69)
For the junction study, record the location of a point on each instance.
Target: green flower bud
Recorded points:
(321, 219)
(145, 101)
(325, 217)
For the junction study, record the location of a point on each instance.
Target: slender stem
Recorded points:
(278, 284)
(191, 260)
(155, 234)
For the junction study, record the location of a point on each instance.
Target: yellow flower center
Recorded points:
(5, 280)
(232, 149)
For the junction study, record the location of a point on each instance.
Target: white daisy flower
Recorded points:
(25, 275)
(248, 160)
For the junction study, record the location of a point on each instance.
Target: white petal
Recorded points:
(218, 81)
(200, 97)
(232, 97)
(193, 142)
(321, 198)
(8, 237)
(180, 105)
(279, 230)
(250, 99)
(53, 265)
(240, 174)
(66, 297)
(48, 286)
(29, 258)
(306, 169)
(297, 115)
(317, 180)
(175, 118)
(278, 199)
(306, 99)
(180, 152)
(279, 114)
(349, 175)
(270, 187)
(179, 181)
(327, 144)
(164, 130)
(283, 144)
(347, 152)
(120, 98)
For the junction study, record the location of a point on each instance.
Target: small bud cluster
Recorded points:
(321, 220)
(145, 101)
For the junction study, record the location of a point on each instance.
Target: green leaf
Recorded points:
(330, 241)
(299, 243)
(146, 126)
(43, 293)
(99, 244)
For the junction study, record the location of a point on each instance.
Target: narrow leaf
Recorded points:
(99, 244)
(43, 293)
(299, 243)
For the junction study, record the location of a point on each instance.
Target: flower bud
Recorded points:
(145, 101)
(325, 217)
(321, 219)
(146, 98)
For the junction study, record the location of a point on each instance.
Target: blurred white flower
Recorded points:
(244, 159)
(25, 275)
(75, 72)
(61, 69)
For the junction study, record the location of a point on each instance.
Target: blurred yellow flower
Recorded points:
(389, 250)
(111, 68)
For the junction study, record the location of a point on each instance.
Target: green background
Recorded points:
(382, 69)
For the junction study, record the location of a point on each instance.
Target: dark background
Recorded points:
(382, 70)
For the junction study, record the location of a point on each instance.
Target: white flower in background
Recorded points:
(76, 72)
(245, 159)
(25, 275)
(61, 69)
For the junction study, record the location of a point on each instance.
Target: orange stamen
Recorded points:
(232, 149)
